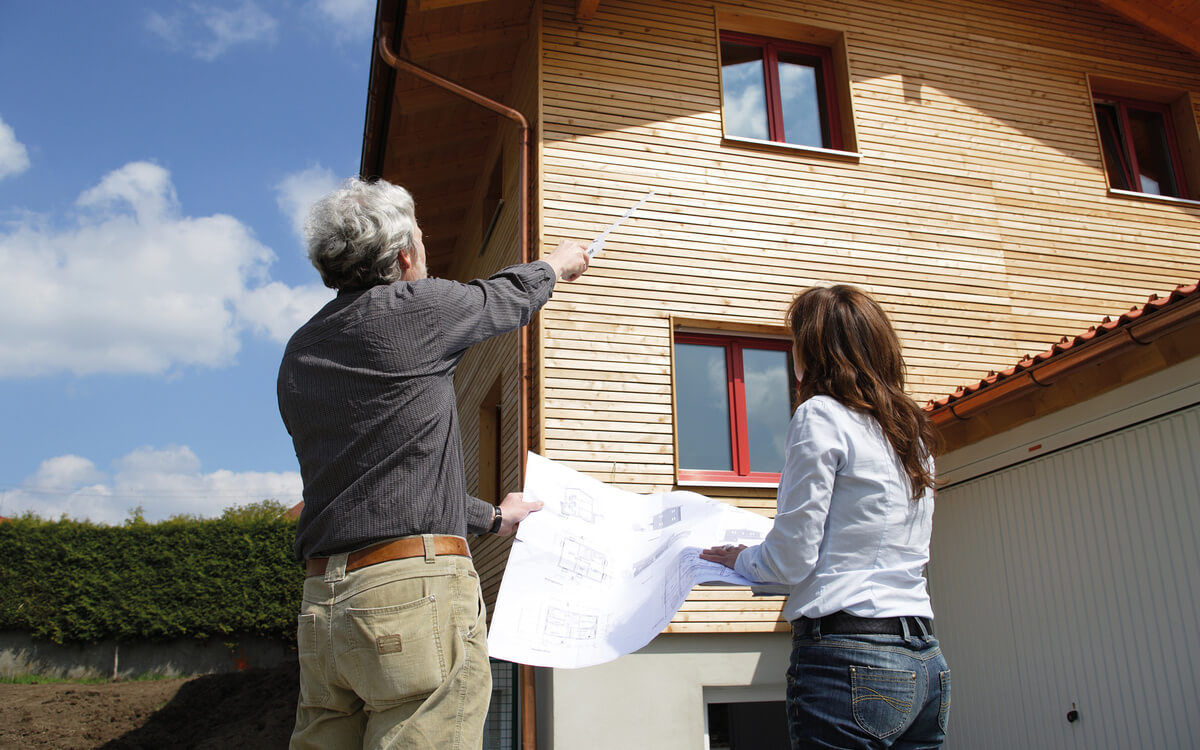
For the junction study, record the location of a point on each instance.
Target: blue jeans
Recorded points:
(867, 691)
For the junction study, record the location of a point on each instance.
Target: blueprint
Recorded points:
(598, 572)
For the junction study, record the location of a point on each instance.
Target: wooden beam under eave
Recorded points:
(457, 41)
(586, 9)
(438, 4)
(1177, 20)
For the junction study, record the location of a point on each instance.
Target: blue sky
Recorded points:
(156, 162)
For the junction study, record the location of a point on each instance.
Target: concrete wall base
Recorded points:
(20, 655)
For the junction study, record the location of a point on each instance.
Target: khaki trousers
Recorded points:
(393, 655)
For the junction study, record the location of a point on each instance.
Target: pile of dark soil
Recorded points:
(250, 709)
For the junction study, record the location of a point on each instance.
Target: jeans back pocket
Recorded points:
(944, 711)
(882, 699)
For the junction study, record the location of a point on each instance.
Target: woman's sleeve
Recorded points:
(816, 451)
(474, 312)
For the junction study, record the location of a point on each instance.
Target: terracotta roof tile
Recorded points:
(1153, 306)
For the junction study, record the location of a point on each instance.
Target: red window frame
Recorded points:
(827, 100)
(1124, 138)
(739, 438)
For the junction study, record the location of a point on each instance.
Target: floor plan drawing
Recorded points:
(568, 625)
(581, 561)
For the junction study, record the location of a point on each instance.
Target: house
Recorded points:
(998, 175)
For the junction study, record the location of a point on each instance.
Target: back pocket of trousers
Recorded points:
(312, 669)
(882, 699)
(395, 653)
(944, 711)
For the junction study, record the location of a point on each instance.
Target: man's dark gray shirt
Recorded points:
(366, 390)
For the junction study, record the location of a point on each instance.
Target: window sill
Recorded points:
(716, 483)
(1152, 197)
(827, 153)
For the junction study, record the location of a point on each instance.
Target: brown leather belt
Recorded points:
(400, 549)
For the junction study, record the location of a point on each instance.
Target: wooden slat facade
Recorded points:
(975, 209)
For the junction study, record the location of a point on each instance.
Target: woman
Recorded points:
(851, 537)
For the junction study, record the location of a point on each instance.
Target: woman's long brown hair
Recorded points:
(849, 351)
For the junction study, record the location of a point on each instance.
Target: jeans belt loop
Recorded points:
(430, 553)
(816, 628)
(924, 630)
(335, 569)
(904, 629)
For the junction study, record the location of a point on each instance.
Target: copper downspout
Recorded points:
(528, 716)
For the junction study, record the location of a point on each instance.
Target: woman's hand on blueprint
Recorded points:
(726, 554)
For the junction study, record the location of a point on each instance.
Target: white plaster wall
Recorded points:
(654, 698)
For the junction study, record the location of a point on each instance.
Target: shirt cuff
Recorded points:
(479, 515)
(546, 269)
(749, 566)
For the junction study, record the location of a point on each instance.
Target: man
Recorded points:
(391, 636)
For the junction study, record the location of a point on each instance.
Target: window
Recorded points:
(761, 725)
(775, 90)
(1141, 154)
(502, 728)
(490, 458)
(733, 402)
(493, 203)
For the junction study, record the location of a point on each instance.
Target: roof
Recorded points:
(1177, 20)
(1140, 326)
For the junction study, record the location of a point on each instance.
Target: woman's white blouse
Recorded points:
(847, 534)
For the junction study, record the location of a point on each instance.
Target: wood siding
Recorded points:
(498, 358)
(976, 210)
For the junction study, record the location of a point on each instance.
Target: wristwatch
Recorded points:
(496, 521)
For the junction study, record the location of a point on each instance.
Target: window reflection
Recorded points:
(1112, 141)
(745, 91)
(702, 407)
(765, 373)
(802, 120)
(1149, 137)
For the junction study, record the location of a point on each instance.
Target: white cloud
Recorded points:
(14, 159)
(349, 17)
(135, 286)
(164, 482)
(276, 310)
(208, 31)
(296, 193)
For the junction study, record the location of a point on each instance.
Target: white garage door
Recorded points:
(1069, 583)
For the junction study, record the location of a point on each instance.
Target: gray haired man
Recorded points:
(391, 635)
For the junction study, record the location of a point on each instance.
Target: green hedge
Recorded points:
(201, 578)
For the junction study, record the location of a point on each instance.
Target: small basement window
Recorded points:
(760, 725)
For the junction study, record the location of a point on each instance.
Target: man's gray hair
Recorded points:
(356, 233)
